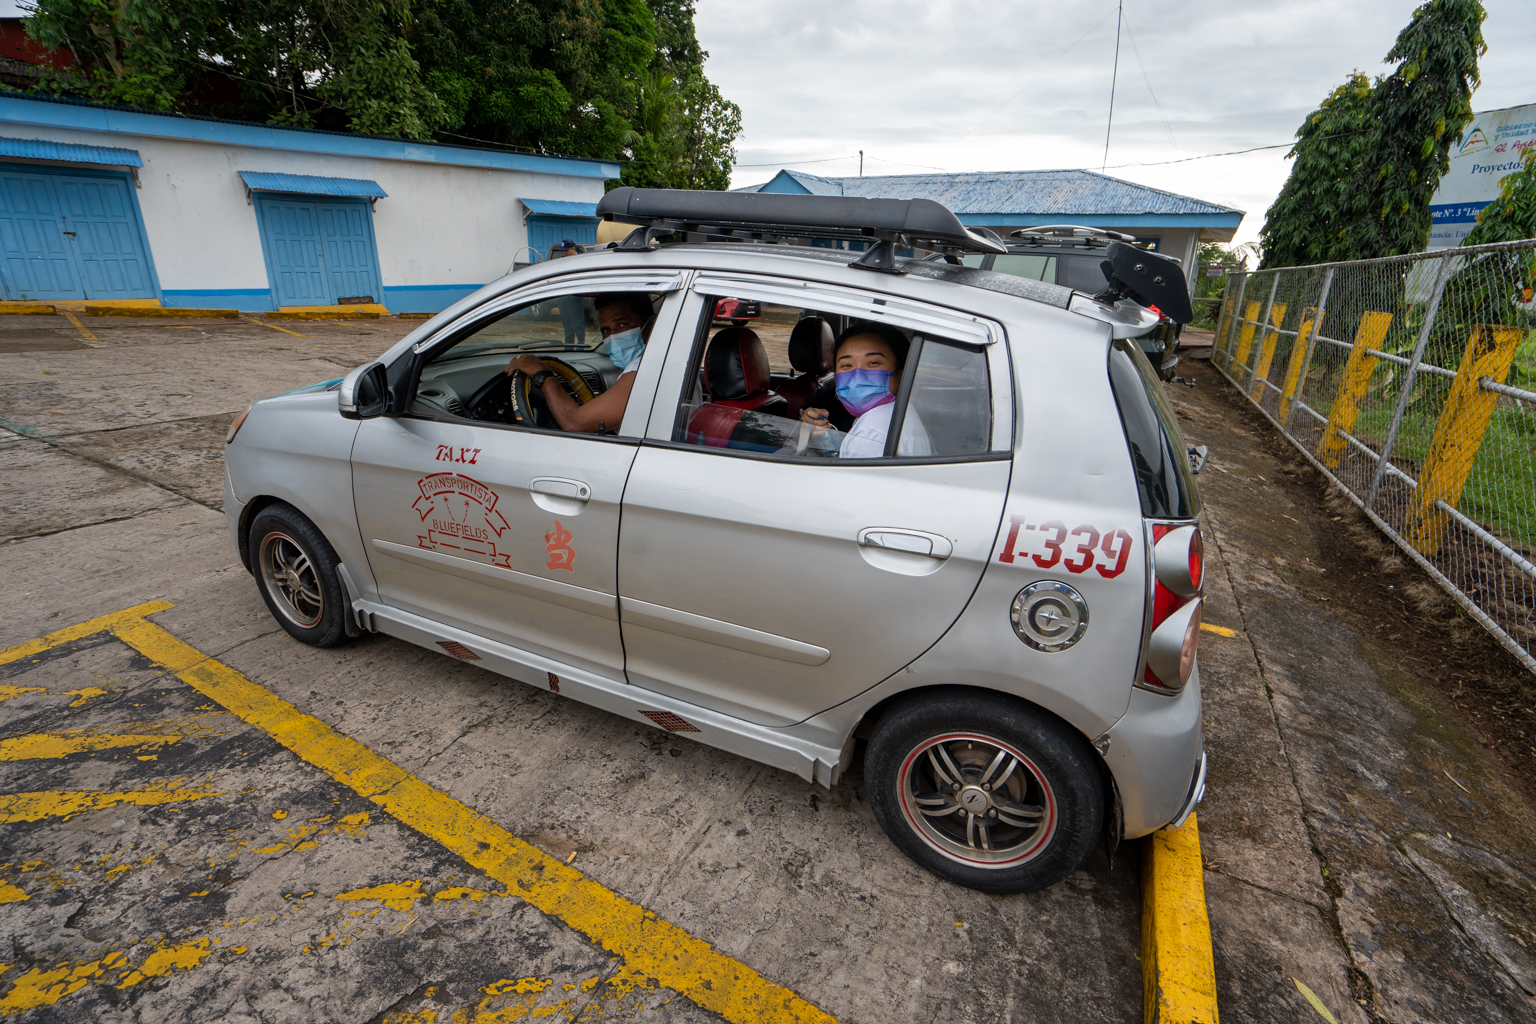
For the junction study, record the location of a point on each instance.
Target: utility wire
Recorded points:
(1238, 152)
(1114, 76)
(1136, 50)
(1037, 78)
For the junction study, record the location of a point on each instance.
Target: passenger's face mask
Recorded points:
(862, 390)
(625, 347)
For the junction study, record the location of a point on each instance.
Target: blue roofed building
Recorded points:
(1008, 200)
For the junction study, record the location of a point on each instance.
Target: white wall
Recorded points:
(442, 225)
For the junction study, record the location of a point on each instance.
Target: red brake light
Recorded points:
(1178, 556)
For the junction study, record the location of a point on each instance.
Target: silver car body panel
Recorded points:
(1069, 466)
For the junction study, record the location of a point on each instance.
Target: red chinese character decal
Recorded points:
(558, 544)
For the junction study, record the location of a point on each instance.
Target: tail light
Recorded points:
(1178, 560)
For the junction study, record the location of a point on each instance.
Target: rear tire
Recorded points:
(295, 569)
(984, 791)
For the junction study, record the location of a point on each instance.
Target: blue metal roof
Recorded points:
(309, 184)
(1063, 193)
(559, 208)
(41, 149)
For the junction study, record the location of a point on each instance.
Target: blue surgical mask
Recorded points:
(863, 390)
(625, 347)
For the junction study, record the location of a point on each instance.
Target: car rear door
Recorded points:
(772, 586)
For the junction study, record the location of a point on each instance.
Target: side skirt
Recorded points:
(777, 748)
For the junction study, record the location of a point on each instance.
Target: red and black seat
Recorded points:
(813, 353)
(736, 376)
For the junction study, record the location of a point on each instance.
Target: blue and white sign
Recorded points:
(1490, 150)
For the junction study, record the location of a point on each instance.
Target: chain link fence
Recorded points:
(1411, 383)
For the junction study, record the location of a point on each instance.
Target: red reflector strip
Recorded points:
(458, 650)
(554, 683)
(668, 721)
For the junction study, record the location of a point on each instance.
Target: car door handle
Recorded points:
(912, 542)
(560, 487)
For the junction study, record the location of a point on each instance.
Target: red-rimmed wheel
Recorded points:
(295, 567)
(982, 790)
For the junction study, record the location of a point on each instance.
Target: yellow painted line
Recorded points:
(1211, 627)
(12, 893)
(61, 803)
(651, 948)
(263, 323)
(1178, 972)
(63, 744)
(87, 335)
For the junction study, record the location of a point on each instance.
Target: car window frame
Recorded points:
(921, 319)
(672, 284)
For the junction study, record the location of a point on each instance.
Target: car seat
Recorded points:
(736, 376)
(812, 352)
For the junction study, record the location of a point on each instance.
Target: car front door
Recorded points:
(771, 585)
(507, 531)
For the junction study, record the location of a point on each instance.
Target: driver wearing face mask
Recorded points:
(625, 319)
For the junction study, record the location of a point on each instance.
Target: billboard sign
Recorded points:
(1490, 149)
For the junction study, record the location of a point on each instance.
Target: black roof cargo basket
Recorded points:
(774, 216)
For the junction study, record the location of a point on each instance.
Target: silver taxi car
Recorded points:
(985, 563)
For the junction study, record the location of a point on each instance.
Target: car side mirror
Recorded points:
(364, 393)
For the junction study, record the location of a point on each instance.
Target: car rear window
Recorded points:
(1163, 479)
(1082, 273)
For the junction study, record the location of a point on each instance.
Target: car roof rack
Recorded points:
(1069, 232)
(918, 223)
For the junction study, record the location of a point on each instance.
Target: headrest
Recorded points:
(735, 364)
(813, 346)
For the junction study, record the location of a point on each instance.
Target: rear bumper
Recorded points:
(1157, 756)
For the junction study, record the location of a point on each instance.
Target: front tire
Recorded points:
(295, 568)
(985, 792)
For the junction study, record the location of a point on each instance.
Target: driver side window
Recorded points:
(472, 377)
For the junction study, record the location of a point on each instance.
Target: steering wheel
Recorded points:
(510, 398)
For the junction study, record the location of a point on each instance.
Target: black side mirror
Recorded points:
(364, 393)
(1147, 279)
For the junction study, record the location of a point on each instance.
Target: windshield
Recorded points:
(543, 327)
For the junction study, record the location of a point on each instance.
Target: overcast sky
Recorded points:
(961, 85)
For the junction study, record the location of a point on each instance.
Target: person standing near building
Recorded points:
(573, 309)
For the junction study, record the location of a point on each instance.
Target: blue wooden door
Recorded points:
(544, 232)
(38, 263)
(351, 261)
(296, 261)
(103, 226)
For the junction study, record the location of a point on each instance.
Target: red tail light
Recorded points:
(1178, 559)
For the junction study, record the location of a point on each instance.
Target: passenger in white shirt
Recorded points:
(870, 361)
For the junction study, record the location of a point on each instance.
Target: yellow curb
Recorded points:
(78, 305)
(1178, 972)
(415, 316)
(23, 308)
(330, 313)
(161, 311)
(355, 308)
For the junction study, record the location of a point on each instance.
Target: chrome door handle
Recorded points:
(560, 487)
(912, 542)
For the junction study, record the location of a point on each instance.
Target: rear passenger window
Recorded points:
(1082, 273)
(1158, 456)
(799, 384)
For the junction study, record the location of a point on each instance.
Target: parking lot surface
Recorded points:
(202, 819)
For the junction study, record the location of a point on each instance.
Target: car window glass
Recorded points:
(467, 378)
(1082, 273)
(1034, 267)
(743, 394)
(972, 259)
(1158, 457)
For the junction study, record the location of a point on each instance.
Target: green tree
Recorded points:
(607, 79)
(1419, 111)
(1332, 144)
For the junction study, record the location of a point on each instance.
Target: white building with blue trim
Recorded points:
(1008, 200)
(107, 204)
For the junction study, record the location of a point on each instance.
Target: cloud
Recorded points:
(994, 85)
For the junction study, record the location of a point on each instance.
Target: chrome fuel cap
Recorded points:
(1049, 616)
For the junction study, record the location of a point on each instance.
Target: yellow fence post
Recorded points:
(1309, 316)
(1267, 350)
(1459, 432)
(1245, 336)
(1223, 324)
(1357, 378)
